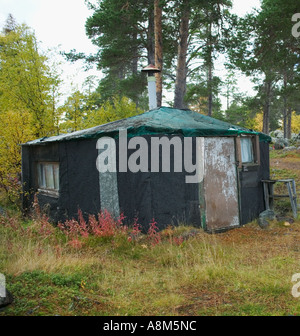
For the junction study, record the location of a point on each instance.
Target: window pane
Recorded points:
(49, 176)
(41, 176)
(247, 150)
(56, 176)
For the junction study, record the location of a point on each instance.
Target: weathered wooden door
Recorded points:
(220, 184)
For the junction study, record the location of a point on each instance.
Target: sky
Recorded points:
(60, 24)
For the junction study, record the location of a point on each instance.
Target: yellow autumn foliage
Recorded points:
(295, 123)
(27, 102)
(118, 108)
(256, 123)
(15, 130)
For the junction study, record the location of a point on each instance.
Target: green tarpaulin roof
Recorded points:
(164, 120)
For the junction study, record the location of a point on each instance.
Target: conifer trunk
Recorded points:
(289, 123)
(150, 37)
(266, 114)
(181, 72)
(210, 71)
(158, 49)
(285, 107)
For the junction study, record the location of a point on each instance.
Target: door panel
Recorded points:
(220, 184)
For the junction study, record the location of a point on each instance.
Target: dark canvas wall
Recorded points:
(30, 157)
(79, 182)
(251, 189)
(162, 196)
(82, 176)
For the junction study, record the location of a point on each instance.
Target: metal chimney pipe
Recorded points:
(152, 92)
(151, 70)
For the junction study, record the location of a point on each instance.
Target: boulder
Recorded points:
(281, 143)
(265, 217)
(278, 134)
(287, 149)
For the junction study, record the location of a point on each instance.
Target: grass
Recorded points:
(246, 271)
(285, 164)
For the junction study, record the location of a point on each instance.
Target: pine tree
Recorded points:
(263, 46)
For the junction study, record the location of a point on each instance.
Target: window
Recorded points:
(48, 176)
(247, 150)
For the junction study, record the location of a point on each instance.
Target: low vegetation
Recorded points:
(109, 269)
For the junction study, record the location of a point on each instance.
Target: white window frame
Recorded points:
(247, 150)
(48, 178)
(255, 151)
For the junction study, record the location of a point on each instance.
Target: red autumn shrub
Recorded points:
(104, 225)
(153, 235)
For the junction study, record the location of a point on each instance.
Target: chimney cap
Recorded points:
(151, 68)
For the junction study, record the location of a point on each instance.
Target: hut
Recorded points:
(176, 166)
